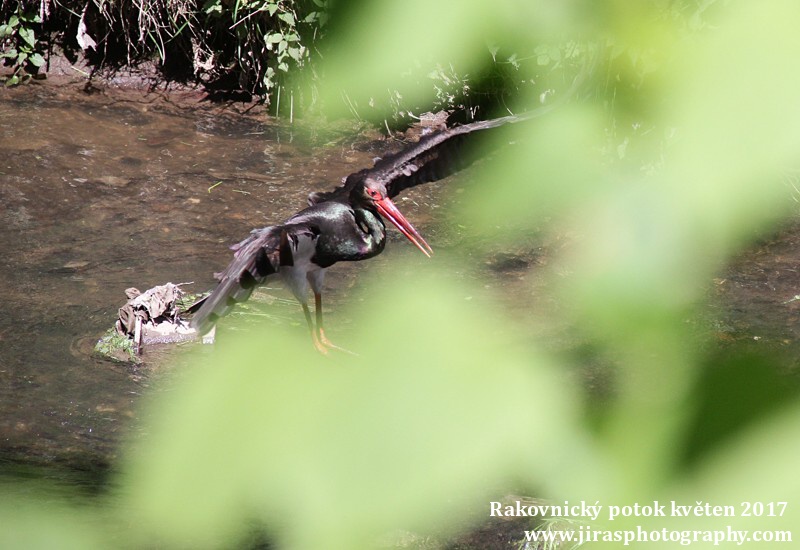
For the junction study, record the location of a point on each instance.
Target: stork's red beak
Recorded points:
(388, 210)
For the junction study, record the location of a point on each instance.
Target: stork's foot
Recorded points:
(324, 345)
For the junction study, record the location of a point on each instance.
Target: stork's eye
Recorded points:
(374, 193)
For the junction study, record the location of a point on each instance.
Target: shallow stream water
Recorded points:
(103, 192)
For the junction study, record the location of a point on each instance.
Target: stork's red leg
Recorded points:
(321, 346)
(318, 312)
(320, 336)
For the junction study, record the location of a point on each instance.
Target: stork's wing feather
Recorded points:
(432, 158)
(441, 154)
(258, 256)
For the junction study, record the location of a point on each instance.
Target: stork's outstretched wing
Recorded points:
(442, 154)
(435, 156)
(432, 158)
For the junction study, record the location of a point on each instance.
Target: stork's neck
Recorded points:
(370, 223)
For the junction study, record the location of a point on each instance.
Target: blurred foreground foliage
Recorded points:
(671, 165)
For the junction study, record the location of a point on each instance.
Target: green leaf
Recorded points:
(424, 429)
(28, 36)
(36, 60)
(274, 38)
(13, 21)
(6, 30)
(30, 18)
(295, 53)
(212, 6)
(70, 525)
(287, 17)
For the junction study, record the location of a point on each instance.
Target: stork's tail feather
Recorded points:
(219, 303)
(257, 257)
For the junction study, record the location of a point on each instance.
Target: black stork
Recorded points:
(342, 225)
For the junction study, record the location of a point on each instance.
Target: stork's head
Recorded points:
(372, 194)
